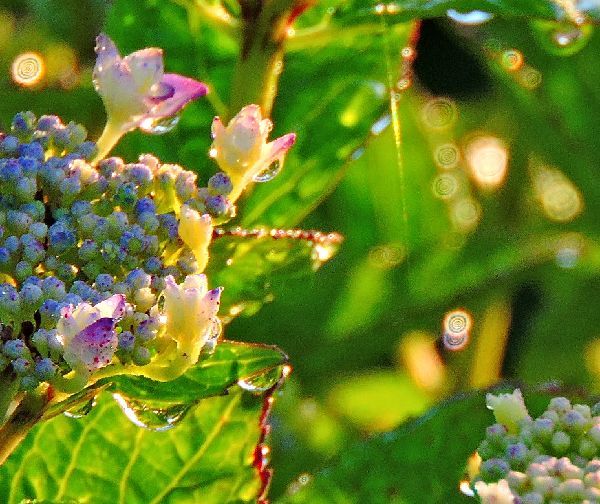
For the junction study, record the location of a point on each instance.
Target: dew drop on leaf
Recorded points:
(151, 418)
(265, 381)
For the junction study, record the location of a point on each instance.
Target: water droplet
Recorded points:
(265, 381)
(471, 18)
(214, 332)
(154, 419)
(562, 38)
(159, 126)
(323, 252)
(270, 172)
(81, 410)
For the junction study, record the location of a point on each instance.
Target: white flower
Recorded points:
(509, 409)
(190, 310)
(196, 232)
(88, 333)
(494, 493)
(135, 90)
(241, 149)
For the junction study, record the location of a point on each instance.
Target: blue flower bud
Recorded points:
(23, 123)
(35, 209)
(60, 237)
(53, 288)
(104, 282)
(138, 279)
(144, 205)
(169, 225)
(33, 251)
(32, 150)
(25, 189)
(39, 339)
(67, 272)
(217, 205)
(39, 230)
(70, 186)
(126, 341)
(18, 222)
(561, 442)
(77, 134)
(146, 331)
(494, 469)
(110, 166)
(141, 356)
(9, 145)
(185, 185)
(49, 313)
(72, 299)
(33, 280)
(4, 257)
(87, 150)
(126, 195)
(148, 221)
(220, 184)
(23, 269)
(117, 222)
(12, 244)
(29, 166)
(14, 349)
(31, 295)
(10, 301)
(45, 369)
(139, 173)
(88, 250)
(28, 383)
(10, 170)
(574, 422)
(80, 208)
(48, 122)
(153, 265)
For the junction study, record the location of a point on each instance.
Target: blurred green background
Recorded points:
(460, 162)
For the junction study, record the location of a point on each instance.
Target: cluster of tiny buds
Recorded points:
(73, 232)
(548, 459)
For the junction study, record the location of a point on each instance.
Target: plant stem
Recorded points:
(109, 138)
(8, 390)
(24, 418)
(264, 31)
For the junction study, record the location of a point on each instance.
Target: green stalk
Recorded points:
(263, 31)
(8, 391)
(18, 425)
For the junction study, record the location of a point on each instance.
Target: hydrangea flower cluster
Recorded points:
(100, 265)
(550, 459)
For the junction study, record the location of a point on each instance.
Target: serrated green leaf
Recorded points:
(230, 363)
(103, 458)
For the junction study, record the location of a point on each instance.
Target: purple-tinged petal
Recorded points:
(278, 148)
(94, 346)
(184, 91)
(145, 67)
(113, 307)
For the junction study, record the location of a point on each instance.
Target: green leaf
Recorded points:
(422, 461)
(230, 363)
(252, 266)
(103, 458)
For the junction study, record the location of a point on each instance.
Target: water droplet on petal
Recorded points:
(214, 332)
(81, 410)
(270, 172)
(159, 126)
(154, 419)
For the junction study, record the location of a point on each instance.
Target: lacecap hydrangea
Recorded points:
(101, 265)
(554, 458)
